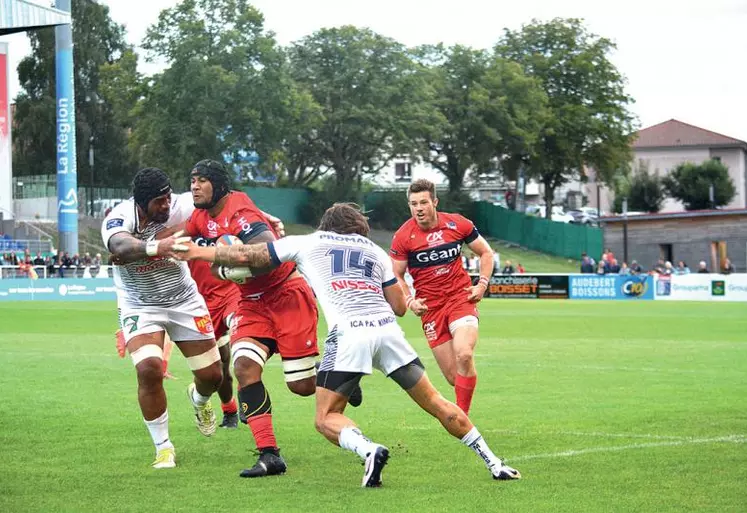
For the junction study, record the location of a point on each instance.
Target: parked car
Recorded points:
(558, 214)
(584, 215)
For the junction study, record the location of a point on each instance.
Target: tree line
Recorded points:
(329, 110)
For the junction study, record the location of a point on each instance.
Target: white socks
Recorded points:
(159, 431)
(475, 441)
(353, 440)
(199, 399)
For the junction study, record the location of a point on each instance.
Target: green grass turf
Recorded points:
(602, 406)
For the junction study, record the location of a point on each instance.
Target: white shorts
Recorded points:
(360, 345)
(183, 322)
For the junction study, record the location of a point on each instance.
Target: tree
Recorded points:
(372, 100)
(99, 44)
(690, 183)
(644, 191)
(288, 123)
(589, 122)
(487, 109)
(204, 104)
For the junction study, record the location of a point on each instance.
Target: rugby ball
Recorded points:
(235, 274)
(228, 240)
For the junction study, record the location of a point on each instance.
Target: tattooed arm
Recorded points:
(256, 256)
(125, 248)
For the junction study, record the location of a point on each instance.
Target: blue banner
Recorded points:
(67, 171)
(64, 289)
(591, 286)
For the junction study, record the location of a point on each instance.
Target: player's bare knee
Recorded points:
(464, 356)
(211, 375)
(150, 372)
(304, 387)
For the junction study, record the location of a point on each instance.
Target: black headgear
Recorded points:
(149, 183)
(217, 175)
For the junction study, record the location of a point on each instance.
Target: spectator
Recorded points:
(11, 259)
(728, 267)
(624, 269)
(96, 260)
(38, 260)
(702, 268)
(496, 263)
(587, 266)
(520, 268)
(508, 268)
(635, 268)
(609, 256)
(681, 268)
(659, 267)
(66, 261)
(601, 267)
(475, 263)
(2, 259)
(612, 266)
(49, 262)
(668, 269)
(87, 259)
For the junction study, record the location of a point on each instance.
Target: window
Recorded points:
(717, 159)
(403, 171)
(665, 252)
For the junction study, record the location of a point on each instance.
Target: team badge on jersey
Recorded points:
(130, 322)
(204, 324)
(451, 225)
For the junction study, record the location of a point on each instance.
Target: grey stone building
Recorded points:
(709, 235)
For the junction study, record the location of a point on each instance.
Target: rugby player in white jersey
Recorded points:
(359, 295)
(156, 294)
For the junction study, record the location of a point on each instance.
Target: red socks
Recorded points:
(229, 407)
(464, 387)
(261, 426)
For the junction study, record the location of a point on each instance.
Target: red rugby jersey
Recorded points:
(242, 218)
(434, 257)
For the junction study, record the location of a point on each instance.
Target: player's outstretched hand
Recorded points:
(175, 246)
(418, 306)
(276, 223)
(475, 292)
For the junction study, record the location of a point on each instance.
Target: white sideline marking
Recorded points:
(737, 439)
(598, 434)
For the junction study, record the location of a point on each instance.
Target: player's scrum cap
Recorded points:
(148, 184)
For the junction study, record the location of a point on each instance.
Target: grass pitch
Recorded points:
(607, 406)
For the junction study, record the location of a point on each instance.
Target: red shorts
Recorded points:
(436, 322)
(287, 315)
(220, 315)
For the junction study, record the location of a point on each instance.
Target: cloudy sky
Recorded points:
(683, 59)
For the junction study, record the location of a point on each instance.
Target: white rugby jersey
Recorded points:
(150, 282)
(347, 272)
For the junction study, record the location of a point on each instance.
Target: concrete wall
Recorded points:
(691, 240)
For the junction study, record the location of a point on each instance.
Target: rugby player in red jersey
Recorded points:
(429, 247)
(277, 312)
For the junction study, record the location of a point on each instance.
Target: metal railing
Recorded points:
(55, 271)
